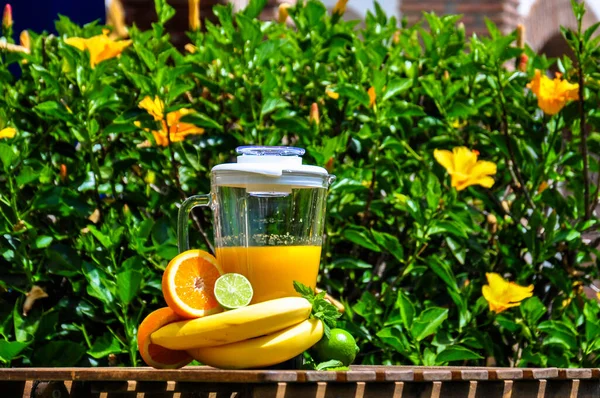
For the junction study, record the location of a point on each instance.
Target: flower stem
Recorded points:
(511, 161)
(582, 129)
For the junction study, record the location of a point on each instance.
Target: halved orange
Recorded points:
(153, 354)
(188, 284)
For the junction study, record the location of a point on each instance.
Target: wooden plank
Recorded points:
(357, 373)
(477, 374)
(575, 373)
(545, 373)
(435, 375)
(398, 375)
(505, 374)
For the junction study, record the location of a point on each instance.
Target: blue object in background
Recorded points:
(39, 15)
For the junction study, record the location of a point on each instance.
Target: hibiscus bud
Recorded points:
(7, 19)
(283, 14)
(126, 210)
(520, 35)
(314, 114)
(190, 48)
(446, 75)
(372, 96)
(63, 172)
(329, 165)
(523, 62)
(396, 37)
(194, 15)
(25, 40)
(493, 223)
(461, 30)
(340, 7)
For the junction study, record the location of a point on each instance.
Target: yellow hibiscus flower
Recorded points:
(8, 132)
(100, 47)
(177, 130)
(502, 294)
(155, 107)
(553, 95)
(464, 168)
(173, 126)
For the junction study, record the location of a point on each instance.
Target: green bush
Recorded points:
(88, 200)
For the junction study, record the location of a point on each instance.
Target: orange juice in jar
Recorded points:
(269, 217)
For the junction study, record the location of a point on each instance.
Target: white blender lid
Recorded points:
(278, 165)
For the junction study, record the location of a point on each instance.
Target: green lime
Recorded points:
(340, 345)
(233, 291)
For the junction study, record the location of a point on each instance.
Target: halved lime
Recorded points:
(233, 291)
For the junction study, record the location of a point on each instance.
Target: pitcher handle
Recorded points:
(183, 239)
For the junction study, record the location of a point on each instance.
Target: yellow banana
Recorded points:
(235, 325)
(262, 351)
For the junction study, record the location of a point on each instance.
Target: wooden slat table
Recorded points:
(358, 382)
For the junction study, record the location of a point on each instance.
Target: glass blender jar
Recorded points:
(269, 216)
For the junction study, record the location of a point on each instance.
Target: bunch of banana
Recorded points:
(258, 335)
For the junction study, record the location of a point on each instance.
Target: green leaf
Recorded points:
(26, 176)
(164, 11)
(456, 353)
(395, 338)
(333, 363)
(129, 279)
(558, 333)
(41, 242)
(395, 87)
(355, 93)
(443, 270)
(254, 8)
(532, 310)
(10, 349)
(350, 263)
(104, 345)
(407, 309)
(272, 104)
(54, 109)
(389, 243)
(25, 326)
(361, 238)
(428, 322)
(201, 120)
(7, 154)
(447, 227)
(592, 323)
(97, 284)
(321, 308)
(103, 239)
